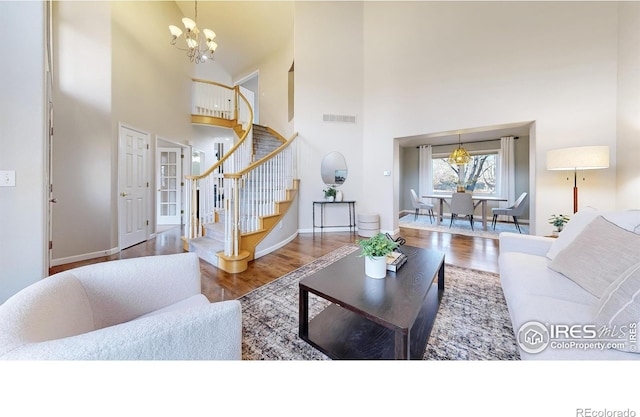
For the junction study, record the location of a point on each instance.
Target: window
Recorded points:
(479, 176)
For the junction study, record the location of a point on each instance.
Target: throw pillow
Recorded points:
(572, 229)
(629, 220)
(619, 309)
(598, 255)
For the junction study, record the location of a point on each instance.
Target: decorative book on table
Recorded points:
(395, 260)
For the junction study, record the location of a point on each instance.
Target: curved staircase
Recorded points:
(239, 200)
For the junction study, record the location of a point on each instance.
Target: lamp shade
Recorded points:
(578, 158)
(175, 31)
(209, 34)
(188, 23)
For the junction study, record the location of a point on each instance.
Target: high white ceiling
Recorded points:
(246, 31)
(249, 31)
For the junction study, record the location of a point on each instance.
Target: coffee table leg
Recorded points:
(303, 313)
(402, 345)
(441, 282)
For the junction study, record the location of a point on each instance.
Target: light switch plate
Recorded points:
(7, 178)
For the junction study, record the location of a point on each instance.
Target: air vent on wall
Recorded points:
(338, 118)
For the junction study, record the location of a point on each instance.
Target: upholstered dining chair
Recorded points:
(421, 205)
(461, 204)
(514, 210)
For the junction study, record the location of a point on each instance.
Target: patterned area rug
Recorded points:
(472, 322)
(460, 226)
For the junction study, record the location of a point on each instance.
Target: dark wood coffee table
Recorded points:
(370, 318)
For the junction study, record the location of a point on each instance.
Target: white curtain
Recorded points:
(425, 172)
(507, 186)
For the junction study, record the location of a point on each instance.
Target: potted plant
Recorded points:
(375, 251)
(558, 220)
(330, 193)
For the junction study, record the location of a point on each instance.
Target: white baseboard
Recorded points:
(340, 229)
(84, 257)
(277, 246)
(327, 229)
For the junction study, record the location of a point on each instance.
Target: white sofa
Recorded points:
(578, 291)
(146, 308)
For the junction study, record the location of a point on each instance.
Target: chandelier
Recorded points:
(200, 46)
(459, 156)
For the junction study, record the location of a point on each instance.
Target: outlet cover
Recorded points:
(7, 178)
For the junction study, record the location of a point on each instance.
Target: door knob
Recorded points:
(123, 194)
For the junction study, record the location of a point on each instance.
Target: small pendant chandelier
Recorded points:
(200, 46)
(459, 156)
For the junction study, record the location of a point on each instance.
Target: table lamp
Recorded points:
(578, 158)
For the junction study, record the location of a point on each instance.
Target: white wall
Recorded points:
(83, 136)
(22, 139)
(440, 66)
(329, 80)
(628, 146)
(273, 86)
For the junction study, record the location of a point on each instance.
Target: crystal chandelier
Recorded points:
(200, 46)
(459, 156)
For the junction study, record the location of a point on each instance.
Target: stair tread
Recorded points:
(207, 244)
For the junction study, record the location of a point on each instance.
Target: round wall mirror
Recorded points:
(333, 169)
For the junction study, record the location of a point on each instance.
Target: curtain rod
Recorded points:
(475, 141)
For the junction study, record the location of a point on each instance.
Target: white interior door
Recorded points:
(169, 199)
(133, 184)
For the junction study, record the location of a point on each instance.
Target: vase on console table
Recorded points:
(338, 195)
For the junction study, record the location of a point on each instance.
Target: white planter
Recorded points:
(329, 199)
(375, 266)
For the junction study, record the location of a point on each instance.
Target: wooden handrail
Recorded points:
(234, 147)
(262, 160)
(198, 80)
(276, 134)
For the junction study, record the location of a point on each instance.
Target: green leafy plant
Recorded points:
(558, 220)
(330, 192)
(378, 245)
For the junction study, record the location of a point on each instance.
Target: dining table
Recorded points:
(479, 199)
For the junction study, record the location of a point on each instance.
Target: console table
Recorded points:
(351, 206)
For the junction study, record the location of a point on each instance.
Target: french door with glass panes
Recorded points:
(169, 201)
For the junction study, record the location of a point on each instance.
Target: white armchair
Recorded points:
(146, 308)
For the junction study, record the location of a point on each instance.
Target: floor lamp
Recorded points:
(578, 158)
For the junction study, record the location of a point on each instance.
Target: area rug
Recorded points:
(460, 226)
(472, 322)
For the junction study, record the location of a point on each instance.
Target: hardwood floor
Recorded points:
(217, 285)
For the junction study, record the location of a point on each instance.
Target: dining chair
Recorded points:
(514, 210)
(421, 205)
(462, 204)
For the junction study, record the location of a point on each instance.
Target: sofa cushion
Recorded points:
(598, 255)
(629, 220)
(619, 306)
(523, 276)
